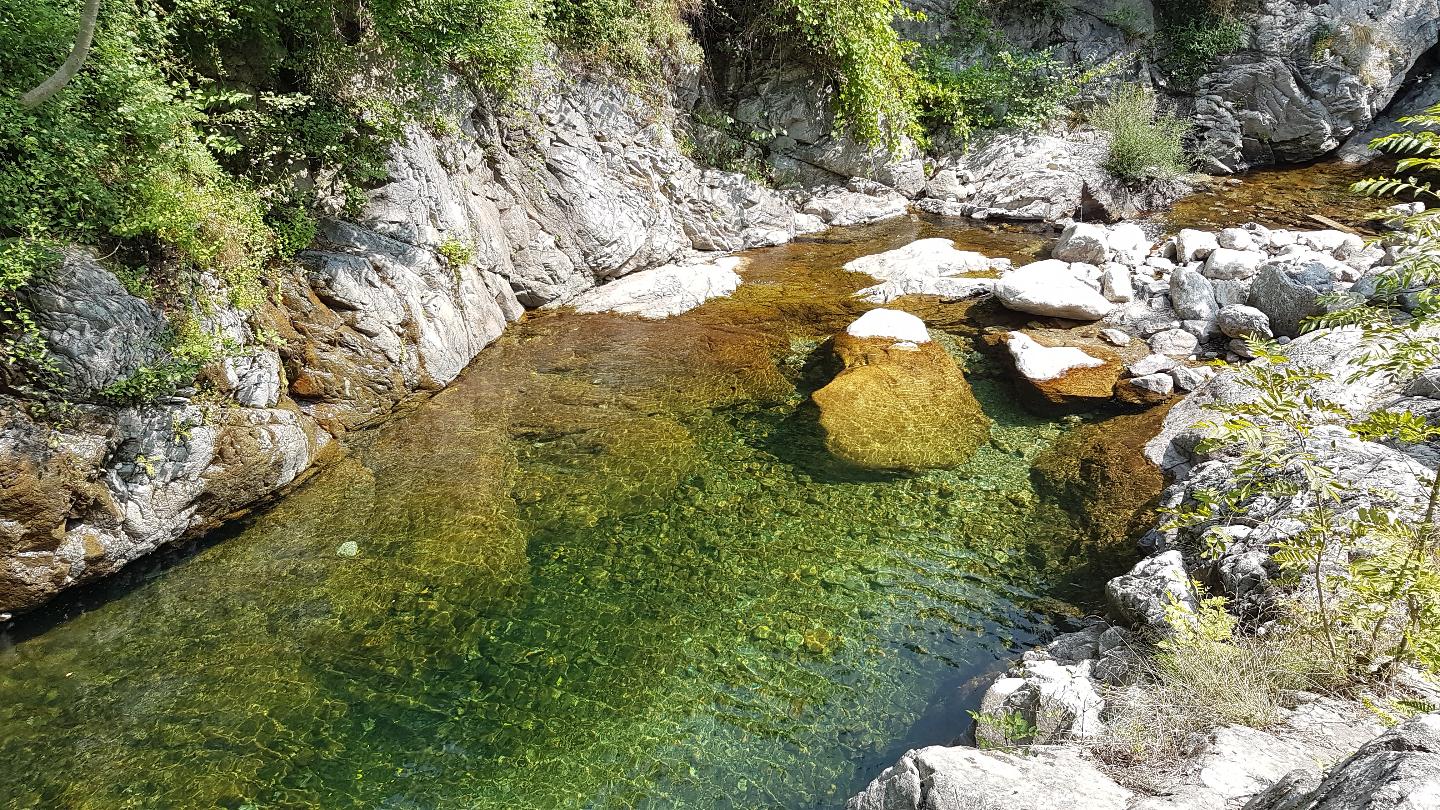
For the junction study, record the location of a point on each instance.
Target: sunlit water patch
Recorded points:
(612, 566)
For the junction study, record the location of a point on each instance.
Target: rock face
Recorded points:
(665, 291)
(1310, 76)
(97, 331)
(940, 778)
(1399, 770)
(596, 190)
(900, 402)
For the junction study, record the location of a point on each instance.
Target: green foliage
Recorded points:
(21, 261)
(190, 348)
(455, 253)
(975, 79)
(856, 43)
(1003, 731)
(1144, 142)
(638, 36)
(1195, 34)
(721, 141)
(1001, 90)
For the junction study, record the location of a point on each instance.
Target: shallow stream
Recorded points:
(611, 566)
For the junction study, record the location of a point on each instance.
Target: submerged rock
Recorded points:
(925, 267)
(1063, 375)
(1100, 473)
(665, 291)
(901, 402)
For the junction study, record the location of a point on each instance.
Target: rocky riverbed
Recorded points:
(696, 527)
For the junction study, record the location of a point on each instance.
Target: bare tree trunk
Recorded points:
(73, 63)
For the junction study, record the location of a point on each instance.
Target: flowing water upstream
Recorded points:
(611, 566)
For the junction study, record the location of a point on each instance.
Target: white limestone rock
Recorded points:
(1050, 288)
(924, 267)
(665, 291)
(1040, 363)
(1082, 242)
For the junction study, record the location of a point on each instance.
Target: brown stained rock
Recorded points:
(1080, 388)
(1099, 473)
(899, 407)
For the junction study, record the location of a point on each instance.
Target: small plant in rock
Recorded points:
(1003, 731)
(1145, 143)
(454, 253)
(1205, 675)
(23, 354)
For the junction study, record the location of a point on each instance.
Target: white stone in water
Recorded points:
(889, 323)
(1162, 384)
(1038, 362)
(935, 257)
(1050, 288)
(1082, 242)
(925, 267)
(664, 291)
(1188, 378)
(1174, 342)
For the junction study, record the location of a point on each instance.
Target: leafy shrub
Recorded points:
(190, 348)
(1144, 143)
(1194, 33)
(21, 261)
(455, 253)
(1002, 90)
(856, 42)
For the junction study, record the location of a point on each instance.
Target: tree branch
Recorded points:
(73, 63)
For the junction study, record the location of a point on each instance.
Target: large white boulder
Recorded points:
(924, 267)
(664, 291)
(1038, 362)
(1050, 288)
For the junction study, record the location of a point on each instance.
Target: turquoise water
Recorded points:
(612, 566)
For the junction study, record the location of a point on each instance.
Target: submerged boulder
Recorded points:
(901, 402)
(1063, 375)
(925, 267)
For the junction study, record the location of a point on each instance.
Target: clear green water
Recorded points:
(612, 566)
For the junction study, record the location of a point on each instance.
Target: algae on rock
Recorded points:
(899, 405)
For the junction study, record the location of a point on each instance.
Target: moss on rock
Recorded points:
(899, 406)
